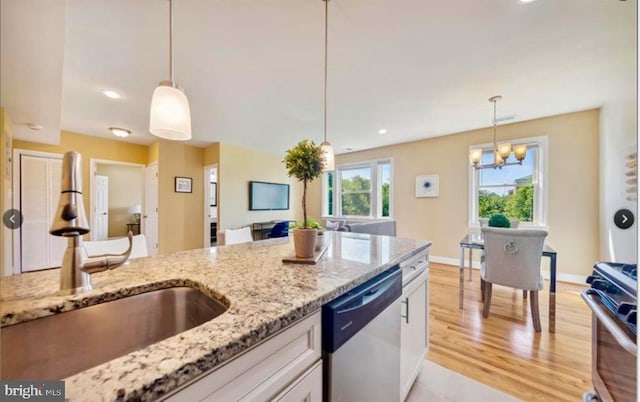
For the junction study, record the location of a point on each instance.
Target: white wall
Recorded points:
(618, 137)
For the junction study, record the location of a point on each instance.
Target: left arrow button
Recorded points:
(12, 219)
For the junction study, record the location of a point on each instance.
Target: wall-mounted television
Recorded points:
(265, 196)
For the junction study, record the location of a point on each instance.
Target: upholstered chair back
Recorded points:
(512, 257)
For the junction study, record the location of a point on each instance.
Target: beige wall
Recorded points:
(90, 148)
(180, 215)
(238, 166)
(153, 152)
(573, 186)
(6, 248)
(212, 154)
(126, 188)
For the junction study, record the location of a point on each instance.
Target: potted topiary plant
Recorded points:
(304, 162)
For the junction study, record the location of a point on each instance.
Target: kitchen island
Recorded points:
(263, 294)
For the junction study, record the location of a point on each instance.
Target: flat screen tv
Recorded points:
(268, 196)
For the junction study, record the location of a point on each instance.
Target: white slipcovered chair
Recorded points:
(236, 236)
(512, 258)
(118, 246)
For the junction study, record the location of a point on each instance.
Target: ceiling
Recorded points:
(252, 69)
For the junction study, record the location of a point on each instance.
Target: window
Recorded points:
(516, 191)
(359, 190)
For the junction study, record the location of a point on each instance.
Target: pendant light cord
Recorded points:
(171, 42)
(495, 144)
(326, 40)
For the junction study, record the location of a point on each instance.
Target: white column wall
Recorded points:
(618, 137)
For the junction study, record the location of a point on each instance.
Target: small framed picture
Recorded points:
(428, 185)
(183, 184)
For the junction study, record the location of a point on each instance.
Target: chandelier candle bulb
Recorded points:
(520, 151)
(504, 150)
(475, 156)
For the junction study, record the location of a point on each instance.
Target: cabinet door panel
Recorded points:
(413, 331)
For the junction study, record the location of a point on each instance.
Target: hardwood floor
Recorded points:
(503, 351)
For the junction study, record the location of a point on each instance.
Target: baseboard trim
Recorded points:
(562, 277)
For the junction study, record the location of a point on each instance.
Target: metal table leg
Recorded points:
(461, 292)
(552, 295)
(470, 262)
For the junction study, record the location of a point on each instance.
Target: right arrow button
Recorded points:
(623, 219)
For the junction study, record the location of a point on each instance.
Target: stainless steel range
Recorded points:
(613, 301)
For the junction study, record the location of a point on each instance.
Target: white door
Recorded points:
(150, 216)
(40, 179)
(101, 213)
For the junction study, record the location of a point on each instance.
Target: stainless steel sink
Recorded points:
(57, 346)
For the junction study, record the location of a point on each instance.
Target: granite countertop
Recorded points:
(264, 294)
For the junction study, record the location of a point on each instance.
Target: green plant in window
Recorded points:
(499, 221)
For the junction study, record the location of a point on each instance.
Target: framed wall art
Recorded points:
(428, 185)
(183, 184)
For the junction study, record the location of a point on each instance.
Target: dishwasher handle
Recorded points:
(343, 317)
(369, 296)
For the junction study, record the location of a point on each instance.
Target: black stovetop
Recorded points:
(617, 285)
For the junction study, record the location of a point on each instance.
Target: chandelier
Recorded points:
(501, 152)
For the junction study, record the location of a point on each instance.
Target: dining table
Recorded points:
(474, 241)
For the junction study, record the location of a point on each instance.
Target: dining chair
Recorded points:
(512, 258)
(237, 236)
(280, 229)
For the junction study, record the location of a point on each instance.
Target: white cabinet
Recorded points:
(414, 315)
(285, 367)
(308, 388)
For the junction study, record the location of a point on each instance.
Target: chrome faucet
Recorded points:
(70, 221)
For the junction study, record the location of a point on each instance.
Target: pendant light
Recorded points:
(170, 117)
(500, 152)
(327, 149)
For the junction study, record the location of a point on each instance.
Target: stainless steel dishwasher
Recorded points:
(361, 342)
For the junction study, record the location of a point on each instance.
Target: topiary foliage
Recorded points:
(305, 162)
(499, 221)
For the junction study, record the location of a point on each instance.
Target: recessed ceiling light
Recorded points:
(110, 93)
(382, 131)
(527, 1)
(119, 132)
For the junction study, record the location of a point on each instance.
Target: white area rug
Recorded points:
(438, 384)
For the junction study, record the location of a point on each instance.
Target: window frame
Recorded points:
(540, 174)
(375, 213)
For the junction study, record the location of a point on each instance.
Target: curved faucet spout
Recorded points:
(77, 267)
(103, 262)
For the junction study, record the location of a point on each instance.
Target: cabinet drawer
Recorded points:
(263, 371)
(414, 266)
(308, 388)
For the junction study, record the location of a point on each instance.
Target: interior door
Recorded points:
(40, 179)
(150, 215)
(101, 213)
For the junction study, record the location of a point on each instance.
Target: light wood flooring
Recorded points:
(503, 351)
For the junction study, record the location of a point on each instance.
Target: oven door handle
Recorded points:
(618, 334)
